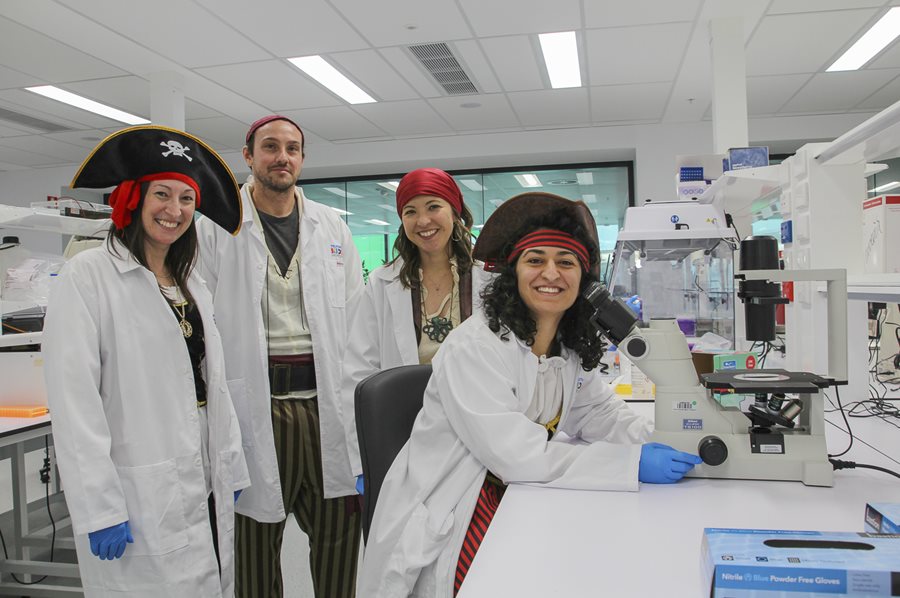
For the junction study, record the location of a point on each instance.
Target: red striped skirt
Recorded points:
(488, 501)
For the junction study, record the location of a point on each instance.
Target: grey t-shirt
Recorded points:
(282, 234)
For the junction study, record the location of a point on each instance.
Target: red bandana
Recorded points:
(546, 237)
(429, 181)
(125, 198)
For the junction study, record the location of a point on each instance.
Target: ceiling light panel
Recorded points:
(528, 180)
(561, 58)
(67, 97)
(871, 43)
(317, 68)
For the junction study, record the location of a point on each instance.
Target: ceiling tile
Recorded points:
(777, 49)
(828, 92)
(615, 13)
(412, 71)
(645, 54)
(221, 131)
(8, 129)
(54, 63)
(692, 92)
(612, 103)
(271, 83)
(194, 109)
(766, 95)
(493, 112)
(545, 107)
(884, 97)
(131, 94)
(404, 22)
(793, 6)
(6, 166)
(509, 17)
(515, 62)
(38, 144)
(87, 138)
(20, 157)
(475, 63)
(290, 28)
(375, 74)
(11, 79)
(408, 118)
(335, 123)
(152, 26)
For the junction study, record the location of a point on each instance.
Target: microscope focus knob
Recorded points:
(637, 347)
(712, 450)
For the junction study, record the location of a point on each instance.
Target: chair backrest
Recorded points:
(387, 404)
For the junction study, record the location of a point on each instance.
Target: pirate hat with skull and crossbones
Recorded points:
(149, 152)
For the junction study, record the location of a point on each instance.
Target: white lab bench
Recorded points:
(551, 542)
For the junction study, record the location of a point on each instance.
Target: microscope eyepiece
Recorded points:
(611, 316)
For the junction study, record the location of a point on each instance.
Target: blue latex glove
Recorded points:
(237, 494)
(661, 464)
(359, 485)
(109, 543)
(634, 302)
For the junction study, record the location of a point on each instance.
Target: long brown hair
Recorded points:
(460, 247)
(180, 257)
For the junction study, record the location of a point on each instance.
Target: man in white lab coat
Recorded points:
(282, 289)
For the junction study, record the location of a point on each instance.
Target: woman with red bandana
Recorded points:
(504, 384)
(147, 442)
(413, 302)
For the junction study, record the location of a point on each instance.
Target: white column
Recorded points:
(729, 83)
(167, 99)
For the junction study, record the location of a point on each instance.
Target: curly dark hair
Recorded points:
(504, 307)
(461, 247)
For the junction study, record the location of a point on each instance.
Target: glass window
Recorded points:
(368, 205)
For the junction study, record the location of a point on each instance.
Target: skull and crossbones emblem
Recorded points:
(175, 148)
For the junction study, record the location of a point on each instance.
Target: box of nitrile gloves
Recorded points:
(751, 563)
(883, 518)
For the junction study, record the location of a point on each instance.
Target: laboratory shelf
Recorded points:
(874, 287)
(18, 340)
(743, 186)
(50, 220)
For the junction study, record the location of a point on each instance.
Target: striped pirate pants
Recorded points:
(333, 525)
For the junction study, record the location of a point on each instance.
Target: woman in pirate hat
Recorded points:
(504, 383)
(146, 437)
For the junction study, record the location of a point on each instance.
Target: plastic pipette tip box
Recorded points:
(23, 411)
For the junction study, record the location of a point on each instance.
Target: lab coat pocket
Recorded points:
(237, 388)
(155, 503)
(335, 284)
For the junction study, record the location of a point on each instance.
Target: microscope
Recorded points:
(781, 435)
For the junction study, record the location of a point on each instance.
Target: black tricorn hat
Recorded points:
(520, 215)
(135, 152)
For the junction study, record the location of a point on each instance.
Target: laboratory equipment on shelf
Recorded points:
(781, 436)
(679, 259)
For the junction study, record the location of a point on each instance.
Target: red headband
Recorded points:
(266, 120)
(546, 237)
(429, 181)
(125, 198)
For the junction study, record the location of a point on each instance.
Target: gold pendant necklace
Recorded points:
(186, 329)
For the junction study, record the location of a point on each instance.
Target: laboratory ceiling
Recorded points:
(642, 61)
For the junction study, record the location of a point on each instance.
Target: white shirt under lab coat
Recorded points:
(331, 277)
(473, 421)
(127, 430)
(383, 336)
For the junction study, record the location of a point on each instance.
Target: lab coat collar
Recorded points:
(122, 257)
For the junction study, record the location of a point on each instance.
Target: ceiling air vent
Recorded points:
(440, 62)
(31, 122)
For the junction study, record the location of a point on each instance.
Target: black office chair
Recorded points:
(387, 404)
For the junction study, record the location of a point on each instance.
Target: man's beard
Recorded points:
(269, 183)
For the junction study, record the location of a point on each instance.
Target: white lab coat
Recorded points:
(473, 421)
(331, 274)
(383, 336)
(127, 430)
